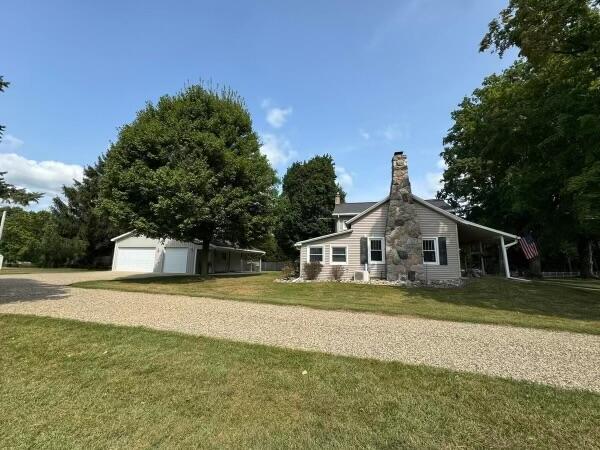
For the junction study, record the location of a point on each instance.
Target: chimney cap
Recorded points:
(398, 153)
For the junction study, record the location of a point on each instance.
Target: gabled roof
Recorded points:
(351, 208)
(430, 205)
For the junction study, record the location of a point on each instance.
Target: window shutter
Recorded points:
(364, 251)
(443, 251)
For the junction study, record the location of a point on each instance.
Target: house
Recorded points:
(400, 238)
(134, 253)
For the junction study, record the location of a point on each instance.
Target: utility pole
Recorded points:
(1, 230)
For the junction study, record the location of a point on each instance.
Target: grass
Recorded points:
(485, 300)
(26, 270)
(66, 384)
(580, 283)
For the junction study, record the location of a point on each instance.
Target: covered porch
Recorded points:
(223, 259)
(484, 250)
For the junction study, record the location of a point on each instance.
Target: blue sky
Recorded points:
(358, 80)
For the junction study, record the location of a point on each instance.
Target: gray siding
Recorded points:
(433, 224)
(371, 225)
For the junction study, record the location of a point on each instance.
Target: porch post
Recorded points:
(504, 257)
(481, 258)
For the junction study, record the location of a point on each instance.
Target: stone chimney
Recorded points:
(337, 198)
(404, 256)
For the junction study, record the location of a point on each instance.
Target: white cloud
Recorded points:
(428, 185)
(39, 176)
(394, 132)
(9, 143)
(276, 117)
(277, 149)
(344, 177)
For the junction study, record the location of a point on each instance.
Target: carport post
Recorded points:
(504, 257)
(481, 258)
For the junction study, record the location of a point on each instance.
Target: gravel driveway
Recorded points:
(557, 358)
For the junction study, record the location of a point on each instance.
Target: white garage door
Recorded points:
(175, 260)
(135, 259)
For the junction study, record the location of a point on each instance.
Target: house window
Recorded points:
(430, 251)
(315, 254)
(339, 254)
(375, 250)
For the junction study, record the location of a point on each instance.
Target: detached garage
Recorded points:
(134, 253)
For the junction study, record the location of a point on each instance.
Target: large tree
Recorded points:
(8, 192)
(34, 236)
(524, 150)
(3, 85)
(190, 168)
(79, 215)
(307, 201)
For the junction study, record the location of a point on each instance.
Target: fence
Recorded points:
(560, 274)
(272, 266)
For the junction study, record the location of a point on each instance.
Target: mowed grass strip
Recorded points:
(485, 300)
(68, 384)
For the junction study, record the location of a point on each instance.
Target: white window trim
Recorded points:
(314, 246)
(331, 255)
(437, 251)
(383, 252)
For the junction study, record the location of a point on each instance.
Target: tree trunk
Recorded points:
(204, 256)
(584, 250)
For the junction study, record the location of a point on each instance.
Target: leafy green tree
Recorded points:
(80, 217)
(190, 168)
(12, 194)
(524, 148)
(3, 86)
(21, 230)
(33, 236)
(8, 192)
(307, 201)
(54, 250)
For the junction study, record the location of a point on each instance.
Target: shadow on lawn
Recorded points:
(25, 290)
(525, 298)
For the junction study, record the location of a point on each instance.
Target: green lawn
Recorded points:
(485, 300)
(588, 284)
(66, 384)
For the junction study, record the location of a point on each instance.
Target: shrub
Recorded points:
(288, 271)
(312, 270)
(337, 272)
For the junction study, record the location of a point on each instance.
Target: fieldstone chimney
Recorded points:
(404, 256)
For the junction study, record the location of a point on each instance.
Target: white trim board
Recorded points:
(318, 238)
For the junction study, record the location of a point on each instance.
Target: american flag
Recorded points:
(528, 246)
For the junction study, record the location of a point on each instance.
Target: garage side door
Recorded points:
(175, 260)
(135, 259)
